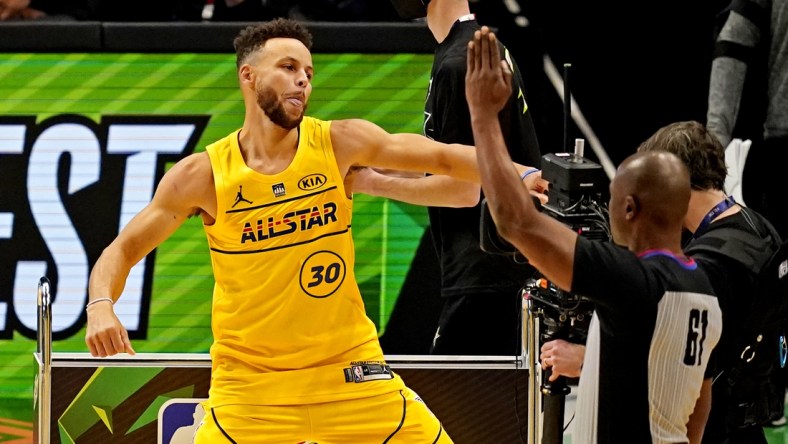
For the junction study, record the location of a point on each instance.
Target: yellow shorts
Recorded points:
(398, 417)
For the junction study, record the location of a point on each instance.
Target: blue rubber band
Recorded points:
(528, 173)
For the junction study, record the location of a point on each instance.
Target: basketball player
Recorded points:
(294, 356)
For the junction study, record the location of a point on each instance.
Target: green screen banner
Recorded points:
(85, 138)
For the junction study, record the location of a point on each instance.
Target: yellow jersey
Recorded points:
(288, 321)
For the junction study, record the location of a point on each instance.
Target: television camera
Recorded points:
(577, 197)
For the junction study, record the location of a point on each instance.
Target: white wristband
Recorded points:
(99, 300)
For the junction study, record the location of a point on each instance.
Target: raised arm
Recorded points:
(548, 244)
(185, 190)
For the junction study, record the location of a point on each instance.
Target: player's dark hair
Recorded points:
(254, 37)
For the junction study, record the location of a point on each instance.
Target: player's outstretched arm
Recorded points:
(360, 143)
(185, 190)
(434, 190)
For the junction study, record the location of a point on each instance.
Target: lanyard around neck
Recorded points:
(716, 211)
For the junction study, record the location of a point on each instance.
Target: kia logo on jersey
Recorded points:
(312, 182)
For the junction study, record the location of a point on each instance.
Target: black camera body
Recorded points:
(578, 193)
(577, 197)
(571, 178)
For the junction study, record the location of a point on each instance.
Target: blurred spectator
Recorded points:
(748, 99)
(43, 10)
(145, 10)
(305, 10)
(345, 11)
(249, 10)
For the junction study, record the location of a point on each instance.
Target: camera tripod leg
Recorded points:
(553, 403)
(546, 400)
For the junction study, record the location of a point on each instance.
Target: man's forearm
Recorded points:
(699, 416)
(108, 277)
(500, 179)
(434, 191)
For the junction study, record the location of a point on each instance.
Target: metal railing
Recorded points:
(42, 397)
(531, 351)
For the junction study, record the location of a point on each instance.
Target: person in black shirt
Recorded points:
(733, 281)
(481, 291)
(712, 210)
(656, 318)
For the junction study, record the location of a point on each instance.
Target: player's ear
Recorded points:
(245, 73)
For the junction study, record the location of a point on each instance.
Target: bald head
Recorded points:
(650, 189)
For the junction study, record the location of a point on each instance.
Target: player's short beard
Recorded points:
(269, 102)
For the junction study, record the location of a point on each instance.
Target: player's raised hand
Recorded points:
(488, 80)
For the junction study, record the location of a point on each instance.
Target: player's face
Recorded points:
(284, 81)
(274, 108)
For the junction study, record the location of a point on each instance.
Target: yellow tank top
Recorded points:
(288, 320)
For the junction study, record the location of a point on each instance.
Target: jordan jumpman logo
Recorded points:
(240, 197)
